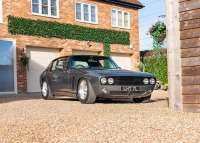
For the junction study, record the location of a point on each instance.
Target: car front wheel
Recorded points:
(85, 92)
(46, 91)
(142, 100)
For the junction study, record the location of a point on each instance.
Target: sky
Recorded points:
(147, 16)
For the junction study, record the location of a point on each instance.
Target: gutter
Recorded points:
(125, 4)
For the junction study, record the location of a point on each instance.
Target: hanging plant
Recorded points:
(158, 31)
(24, 59)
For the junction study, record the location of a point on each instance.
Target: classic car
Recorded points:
(88, 77)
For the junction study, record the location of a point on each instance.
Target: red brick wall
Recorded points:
(22, 8)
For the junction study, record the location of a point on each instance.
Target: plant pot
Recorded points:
(161, 37)
(163, 87)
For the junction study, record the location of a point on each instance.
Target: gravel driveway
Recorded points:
(28, 118)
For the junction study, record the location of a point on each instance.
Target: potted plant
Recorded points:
(24, 59)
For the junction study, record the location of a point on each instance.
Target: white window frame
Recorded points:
(116, 14)
(15, 65)
(1, 11)
(49, 9)
(82, 13)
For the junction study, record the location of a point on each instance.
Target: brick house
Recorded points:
(117, 15)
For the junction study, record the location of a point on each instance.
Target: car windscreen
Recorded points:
(93, 62)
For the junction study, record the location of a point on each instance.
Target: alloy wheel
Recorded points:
(83, 89)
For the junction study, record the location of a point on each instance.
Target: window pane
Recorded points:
(44, 2)
(35, 1)
(78, 11)
(119, 18)
(93, 13)
(53, 11)
(93, 9)
(113, 17)
(86, 12)
(93, 17)
(44, 6)
(35, 8)
(126, 19)
(44, 9)
(53, 3)
(53, 67)
(53, 8)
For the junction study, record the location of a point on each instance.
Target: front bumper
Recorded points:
(115, 91)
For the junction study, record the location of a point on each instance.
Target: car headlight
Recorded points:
(145, 81)
(152, 81)
(110, 80)
(103, 80)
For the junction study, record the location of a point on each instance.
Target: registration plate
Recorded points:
(130, 88)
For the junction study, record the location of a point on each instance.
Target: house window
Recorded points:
(1, 13)
(120, 18)
(45, 7)
(86, 13)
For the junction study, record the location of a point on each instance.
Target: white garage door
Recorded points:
(39, 60)
(82, 52)
(122, 60)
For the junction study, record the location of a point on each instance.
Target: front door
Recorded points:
(7, 66)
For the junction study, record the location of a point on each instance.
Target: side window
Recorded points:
(120, 18)
(45, 7)
(86, 13)
(53, 66)
(62, 62)
(1, 13)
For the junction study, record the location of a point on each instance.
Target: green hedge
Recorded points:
(158, 67)
(24, 26)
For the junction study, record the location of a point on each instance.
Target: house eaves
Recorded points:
(129, 3)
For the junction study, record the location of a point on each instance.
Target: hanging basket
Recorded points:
(24, 61)
(161, 37)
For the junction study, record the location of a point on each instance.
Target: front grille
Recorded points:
(128, 80)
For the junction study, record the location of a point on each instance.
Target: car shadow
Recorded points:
(4, 98)
(112, 101)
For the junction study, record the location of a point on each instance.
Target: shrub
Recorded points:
(158, 67)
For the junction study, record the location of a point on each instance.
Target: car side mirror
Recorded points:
(59, 67)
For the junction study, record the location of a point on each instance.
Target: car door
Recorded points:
(64, 75)
(50, 75)
(55, 76)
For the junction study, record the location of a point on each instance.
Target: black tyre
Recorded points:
(85, 92)
(142, 100)
(46, 91)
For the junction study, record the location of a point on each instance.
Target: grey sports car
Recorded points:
(88, 77)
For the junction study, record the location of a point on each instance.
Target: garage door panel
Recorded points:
(40, 58)
(35, 88)
(34, 72)
(122, 60)
(39, 65)
(82, 52)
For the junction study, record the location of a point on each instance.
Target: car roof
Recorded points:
(79, 56)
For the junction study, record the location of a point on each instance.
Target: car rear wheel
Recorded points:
(142, 100)
(85, 92)
(46, 91)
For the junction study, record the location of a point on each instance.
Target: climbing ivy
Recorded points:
(25, 26)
